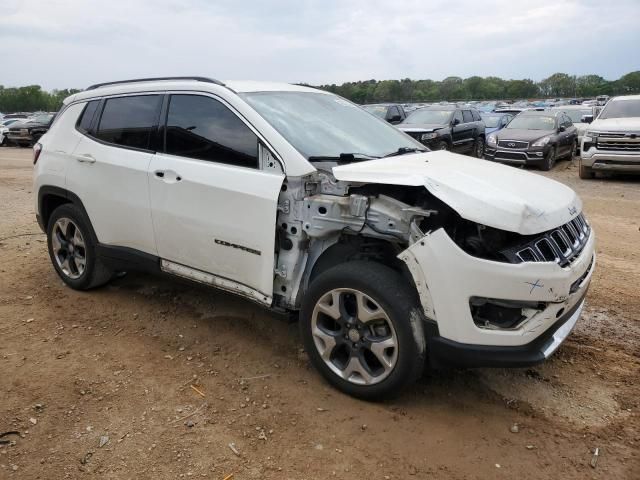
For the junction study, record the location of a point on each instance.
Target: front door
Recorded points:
(214, 211)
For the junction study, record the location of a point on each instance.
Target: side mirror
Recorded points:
(456, 121)
(561, 128)
(586, 119)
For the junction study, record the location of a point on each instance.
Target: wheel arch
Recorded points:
(51, 197)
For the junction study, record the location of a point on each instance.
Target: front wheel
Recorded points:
(586, 173)
(363, 330)
(441, 145)
(478, 149)
(550, 161)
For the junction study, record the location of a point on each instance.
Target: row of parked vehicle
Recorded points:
(530, 136)
(24, 129)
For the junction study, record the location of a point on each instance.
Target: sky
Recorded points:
(74, 43)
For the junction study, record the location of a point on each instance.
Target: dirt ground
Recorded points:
(99, 384)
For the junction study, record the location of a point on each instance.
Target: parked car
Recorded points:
(612, 142)
(302, 202)
(495, 121)
(4, 129)
(534, 138)
(28, 133)
(391, 112)
(444, 127)
(576, 113)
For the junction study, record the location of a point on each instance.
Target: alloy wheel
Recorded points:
(354, 336)
(69, 248)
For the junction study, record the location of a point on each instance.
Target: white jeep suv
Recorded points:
(299, 200)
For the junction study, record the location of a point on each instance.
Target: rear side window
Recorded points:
(203, 128)
(468, 118)
(84, 122)
(476, 116)
(129, 121)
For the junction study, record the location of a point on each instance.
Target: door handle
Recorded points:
(167, 176)
(85, 158)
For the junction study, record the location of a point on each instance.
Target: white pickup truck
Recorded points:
(612, 141)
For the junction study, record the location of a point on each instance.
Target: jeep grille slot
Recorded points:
(561, 245)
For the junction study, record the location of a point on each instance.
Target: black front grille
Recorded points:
(415, 135)
(510, 155)
(561, 245)
(620, 146)
(512, 144)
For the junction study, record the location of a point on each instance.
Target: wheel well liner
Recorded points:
(50, 198)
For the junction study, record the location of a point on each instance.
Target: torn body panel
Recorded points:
(447, 278)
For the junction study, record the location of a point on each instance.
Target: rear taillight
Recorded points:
(37, 148)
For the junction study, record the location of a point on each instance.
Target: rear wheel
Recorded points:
(362, 329)
(478, 148)
(574, 151)
(550, 161)
(586, 173)
(73, 251)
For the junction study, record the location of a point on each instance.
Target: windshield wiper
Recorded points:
(405, 150)
(343, 158)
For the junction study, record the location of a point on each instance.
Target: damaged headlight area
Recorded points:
(496, 314)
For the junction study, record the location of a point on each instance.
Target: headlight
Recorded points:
(542, 142)
(492, 141)
(591, 134)
(428, 136)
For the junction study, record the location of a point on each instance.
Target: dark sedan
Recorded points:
(534, 138)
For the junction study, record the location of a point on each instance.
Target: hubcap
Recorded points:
(354, 336)
(69, 248)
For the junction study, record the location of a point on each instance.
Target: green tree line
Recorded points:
(485, 88)
(33, 98)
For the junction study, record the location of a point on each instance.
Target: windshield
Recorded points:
(377, 110)
(325, 125)
(532, 122)
(576, 115)
(42, 118)
(438, 117)
(621, 109)
(491, 121)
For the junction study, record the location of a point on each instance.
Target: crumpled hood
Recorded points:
(420, 127)
(481, 191)
(630, 124)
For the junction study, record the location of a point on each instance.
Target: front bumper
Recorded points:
(447, 278)
(602, 160)
(20, 137)
(517, 157)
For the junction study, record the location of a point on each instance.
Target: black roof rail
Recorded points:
(151, 79)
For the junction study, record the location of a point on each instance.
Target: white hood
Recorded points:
(488, 193)
(630, 124)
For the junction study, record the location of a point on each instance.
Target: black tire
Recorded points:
(550, 160)
(574, 150)
(585, 173)
(24, 145)
(397, 299)
(478, 148)
(95, 273)
(441, 145)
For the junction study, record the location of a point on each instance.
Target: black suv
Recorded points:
(28, 133)
(444, 127)
(391, 112)
(534, 138)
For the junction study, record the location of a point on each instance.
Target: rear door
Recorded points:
(109, 169)
(214, 210)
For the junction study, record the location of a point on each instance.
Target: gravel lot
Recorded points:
(100, 383)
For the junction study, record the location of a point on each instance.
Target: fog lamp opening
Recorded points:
(496, 314)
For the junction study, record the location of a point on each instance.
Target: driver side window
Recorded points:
(458, 116)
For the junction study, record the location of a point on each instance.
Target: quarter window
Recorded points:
(203, 128)
(84, 122)
(129, 121)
